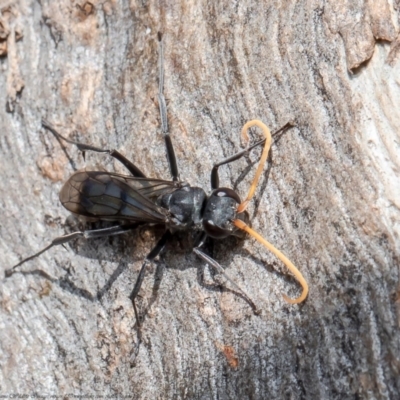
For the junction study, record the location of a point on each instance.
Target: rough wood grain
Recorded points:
(329, 199)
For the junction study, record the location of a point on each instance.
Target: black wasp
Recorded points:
(136, 200)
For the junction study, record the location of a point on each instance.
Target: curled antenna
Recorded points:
(241, 225)
(243, 205)
(268, 140)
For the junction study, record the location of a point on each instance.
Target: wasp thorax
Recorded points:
(219, 213)
(185, 206)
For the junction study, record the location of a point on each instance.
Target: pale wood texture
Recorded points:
(329, 199)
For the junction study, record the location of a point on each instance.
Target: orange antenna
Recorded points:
(241, 225)
(267, 134)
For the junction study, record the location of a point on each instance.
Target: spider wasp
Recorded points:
(135, 200)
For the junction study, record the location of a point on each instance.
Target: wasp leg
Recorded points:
(113, 230)
(218, 267)
(173, 166)
(237, 156)
(139, 280)
(132, 168)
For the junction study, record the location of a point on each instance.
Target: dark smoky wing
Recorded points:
(108, 196)
(151, 188)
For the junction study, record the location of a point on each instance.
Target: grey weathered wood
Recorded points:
(330, 200)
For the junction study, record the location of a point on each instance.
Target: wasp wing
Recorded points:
(109, 197)
(148, 187)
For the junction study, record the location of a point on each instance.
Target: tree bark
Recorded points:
(329, 198)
